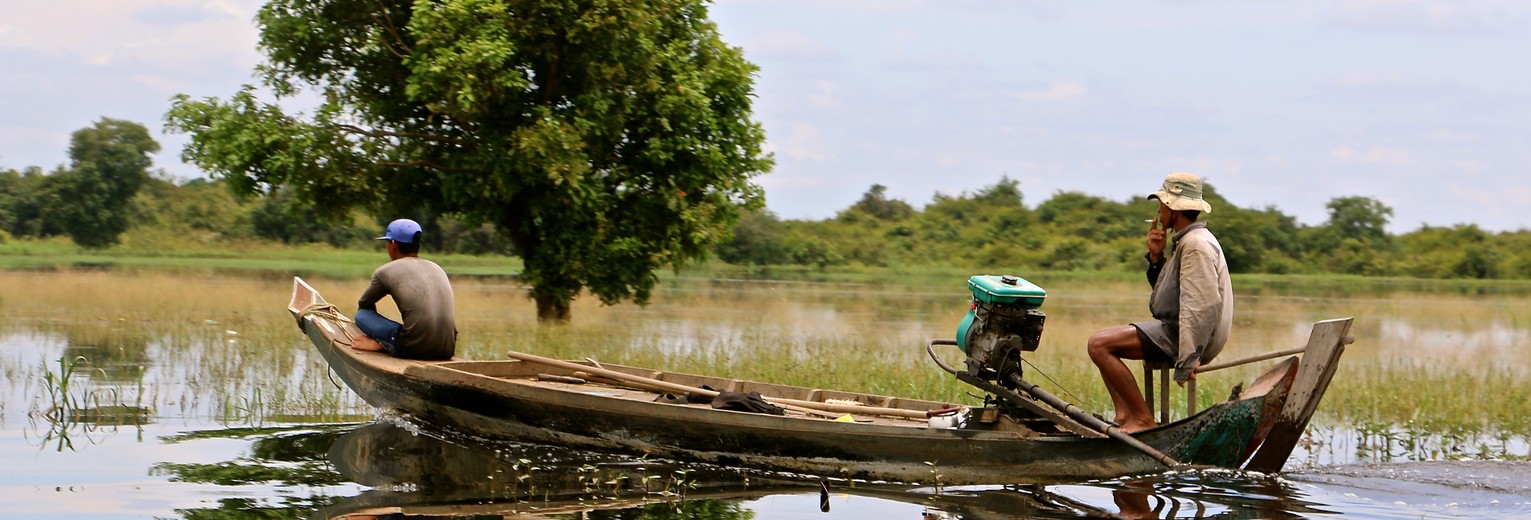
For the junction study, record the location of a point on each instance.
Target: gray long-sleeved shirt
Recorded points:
(1192, 300)
(424, 296)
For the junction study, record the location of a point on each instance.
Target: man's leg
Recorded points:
(1107, 348)
(380, 332)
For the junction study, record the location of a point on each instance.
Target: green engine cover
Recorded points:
(1007, 290)
(998, 290)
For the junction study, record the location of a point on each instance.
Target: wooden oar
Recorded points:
(673, 387)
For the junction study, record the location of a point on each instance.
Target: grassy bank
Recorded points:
(311, 260)
(324, 261)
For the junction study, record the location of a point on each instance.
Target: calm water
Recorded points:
(203, 401)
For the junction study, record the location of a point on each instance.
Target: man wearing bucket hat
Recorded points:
(423, 295)
(1191, 302)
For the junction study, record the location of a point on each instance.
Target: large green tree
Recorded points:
(90, 200)
(604, 138)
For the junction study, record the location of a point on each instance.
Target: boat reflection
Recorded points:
(421, 474)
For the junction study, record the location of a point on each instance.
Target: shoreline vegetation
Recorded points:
(321, 260)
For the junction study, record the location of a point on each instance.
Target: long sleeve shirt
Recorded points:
(1193, 295)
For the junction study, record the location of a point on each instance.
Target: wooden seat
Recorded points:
(1165, 369)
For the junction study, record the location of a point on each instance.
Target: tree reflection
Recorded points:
(278, 456)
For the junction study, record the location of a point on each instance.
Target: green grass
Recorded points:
(113, 299)
(305, 260)
(325, 261)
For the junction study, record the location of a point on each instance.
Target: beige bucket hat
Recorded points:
(1182, 191)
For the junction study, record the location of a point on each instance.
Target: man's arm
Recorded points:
(1155, 241)
(374, 292)
(1154, 267)
(1201, 307)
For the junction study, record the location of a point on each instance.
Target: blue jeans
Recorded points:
(380, 328)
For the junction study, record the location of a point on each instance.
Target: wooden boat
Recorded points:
(614, 408)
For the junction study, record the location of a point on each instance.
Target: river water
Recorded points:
(124, 399)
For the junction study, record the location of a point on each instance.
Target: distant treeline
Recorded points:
(994, 228)
(200, 213)
(990, 228)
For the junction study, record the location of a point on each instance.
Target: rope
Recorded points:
(328, 311)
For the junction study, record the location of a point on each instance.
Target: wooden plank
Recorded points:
(1319, 362)
(1164, 396)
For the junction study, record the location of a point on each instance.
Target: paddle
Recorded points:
(674, 387)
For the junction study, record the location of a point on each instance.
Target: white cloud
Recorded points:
(789, 45)
(1377, 156)
(140, 31)
(1452, 135)
(1058, 91)
(1469, 166)
(826, 97)
(804, 142)
(1421, 16)
(929, 60)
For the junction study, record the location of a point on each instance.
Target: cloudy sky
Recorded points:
(1425, 105)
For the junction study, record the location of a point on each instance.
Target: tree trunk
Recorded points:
(552, 310)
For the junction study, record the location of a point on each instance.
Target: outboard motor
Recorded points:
(1002, 323)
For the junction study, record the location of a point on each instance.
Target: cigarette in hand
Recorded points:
(1148, 221)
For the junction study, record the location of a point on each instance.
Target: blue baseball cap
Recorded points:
(402, 231)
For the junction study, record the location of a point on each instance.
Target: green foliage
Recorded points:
(875, 204)
(91, 199)
(281, 216)
(236, 473)
(993, 230)
(1356, 235)
(605, 139)
(21, 199)
(758, 239)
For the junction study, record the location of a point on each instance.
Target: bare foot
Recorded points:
(366, 343)
(1134, 426)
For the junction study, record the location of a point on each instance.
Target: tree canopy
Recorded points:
(604, 138)
(91, 199)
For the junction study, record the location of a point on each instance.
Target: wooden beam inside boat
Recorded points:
(673, 387)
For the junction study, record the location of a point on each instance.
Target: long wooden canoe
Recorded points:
(890, 441)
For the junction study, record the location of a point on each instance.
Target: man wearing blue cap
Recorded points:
(421, 291)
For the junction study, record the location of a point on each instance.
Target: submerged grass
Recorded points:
(220, 347)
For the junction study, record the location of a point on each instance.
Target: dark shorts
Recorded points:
(1152, 353)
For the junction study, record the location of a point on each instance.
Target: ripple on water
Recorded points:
(1467, 489)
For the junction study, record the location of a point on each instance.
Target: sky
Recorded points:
(1423, 105)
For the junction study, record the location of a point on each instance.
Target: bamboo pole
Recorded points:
(649, 388)
(1251, 359)
(674, 387)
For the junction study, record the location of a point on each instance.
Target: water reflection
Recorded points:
(417, 475)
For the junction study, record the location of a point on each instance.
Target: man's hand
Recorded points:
(1155, 241)
(1192, 377)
